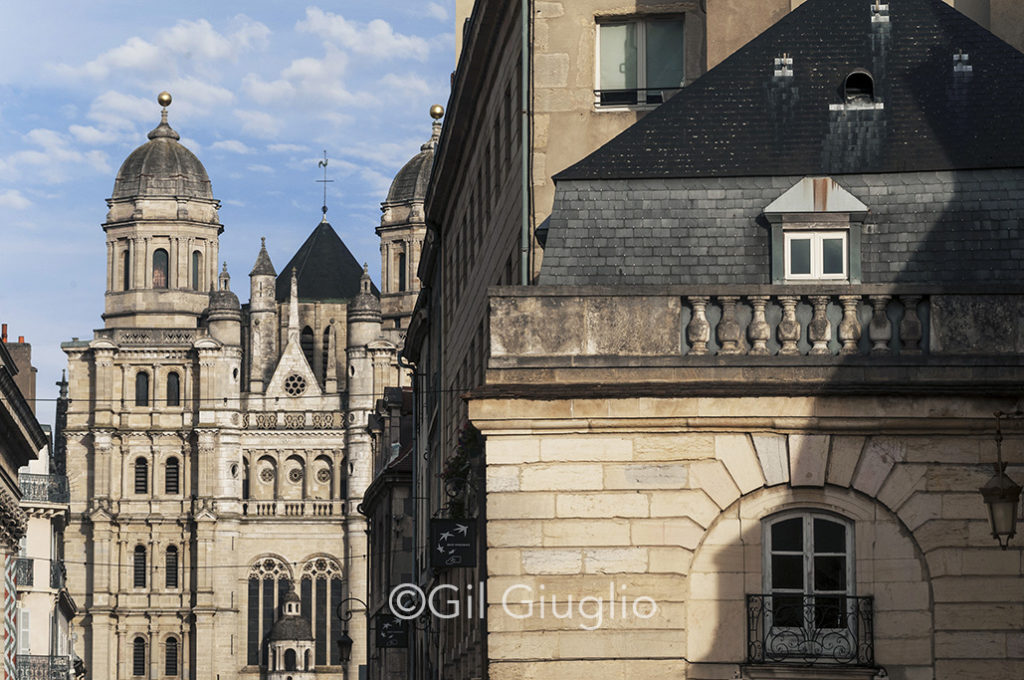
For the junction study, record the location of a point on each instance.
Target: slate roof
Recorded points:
(162, 167)
(325, 268)
(263, 266)
(740, 119)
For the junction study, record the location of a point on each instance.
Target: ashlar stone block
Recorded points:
(808, 458)
(737, 454)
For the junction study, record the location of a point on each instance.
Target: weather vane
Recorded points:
(324, 181)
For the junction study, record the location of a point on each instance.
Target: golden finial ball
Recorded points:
(164, 98)
(436, 111)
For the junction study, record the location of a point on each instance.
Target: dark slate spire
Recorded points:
(325, 268)
(263, 266)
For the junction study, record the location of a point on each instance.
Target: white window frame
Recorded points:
(817, 239)
(641, 59)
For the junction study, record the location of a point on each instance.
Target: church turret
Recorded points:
(162, 235)
(263, 330)
(224, 317)
(291, 643)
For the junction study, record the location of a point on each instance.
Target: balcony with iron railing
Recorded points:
(810, 630)
(43, 488)
(40, 667)
(24, 572)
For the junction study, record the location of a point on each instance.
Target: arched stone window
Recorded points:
(173, 389)
(139, 656)
(401, 272)
(197, 269)
(171, 477)
(171, 657)
(290, 660)
(142, 388)
(171, 567)
(139, 567)
(325, 355)
(159, 268)
(126, 270)
(321, 593)
(269, 580)
(141, 475)
(306, 342)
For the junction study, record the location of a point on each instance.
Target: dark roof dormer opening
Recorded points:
(859, 87)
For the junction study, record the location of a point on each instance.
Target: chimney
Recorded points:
(3, 334)
(21, 339)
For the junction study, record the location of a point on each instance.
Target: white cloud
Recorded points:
(260, 168)
(195, 96)
(232, 145)
(113, 109)
(13, 199)
(134, 54)
(436, 11)
(376, 38)
(287, 148)
(259, 123)
(408, 84)
(199, 40)
(191, 144)
(87, 134)
(311, 80)
(53, 160)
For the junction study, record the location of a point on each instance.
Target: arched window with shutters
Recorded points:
(139, 567)
(159, 268)
(173, 389)
(142, 388)
(139, 656)
(171, 477)
(197, 269)
(171, 567)
(171, 657)
(141, 475)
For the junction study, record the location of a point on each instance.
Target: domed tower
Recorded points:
(401, 231)
(291, 643)
(162, 235)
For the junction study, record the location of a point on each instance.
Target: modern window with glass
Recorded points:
(640, 61)
(813, 255)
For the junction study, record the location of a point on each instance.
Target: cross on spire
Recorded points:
(324, 181)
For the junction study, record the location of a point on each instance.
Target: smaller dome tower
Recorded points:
(291, 643)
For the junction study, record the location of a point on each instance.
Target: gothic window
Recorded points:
(159, 268)
(326, 353)
(321, 593)
(171, 657)
(142, 388)
(173, 389)
(269, 580)
(171, 476)
(171, 568)
(139, 656)
(141, 475)
(401, 271)
(306, 342)
(139, 567)
(126, 270)
(197, 267)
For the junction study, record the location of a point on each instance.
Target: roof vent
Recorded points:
(859, 87)
(962, 62)
(879, 12)
(784, 66)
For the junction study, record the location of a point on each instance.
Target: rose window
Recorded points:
(295, 384)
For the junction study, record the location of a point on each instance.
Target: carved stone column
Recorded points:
(911, 328)
(698, 332)
(849, 327)
(730, 335)
(880, 330)
(789, 328)
(759, 331)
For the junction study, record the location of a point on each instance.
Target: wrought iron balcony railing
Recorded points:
(43, 488)
(810, 629)
(24, 568)
(39, 667)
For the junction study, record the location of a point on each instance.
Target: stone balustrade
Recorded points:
(292, 420)
(286, 509)
(149, 336)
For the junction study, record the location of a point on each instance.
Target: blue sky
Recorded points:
(260, 90)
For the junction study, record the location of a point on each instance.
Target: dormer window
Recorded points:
(859, 87)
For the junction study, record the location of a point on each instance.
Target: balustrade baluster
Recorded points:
(819, 330)
(759, 331)
(730, 335)
(880, 329)
(698, 332)
(789, 327)
(849, 327)
(911, 328)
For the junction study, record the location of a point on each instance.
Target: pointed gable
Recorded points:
(326, 268)
(947, 94)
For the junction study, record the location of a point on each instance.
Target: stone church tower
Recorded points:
(217, 452)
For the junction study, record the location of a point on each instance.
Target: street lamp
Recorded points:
(344, 615)
(1002, 494)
